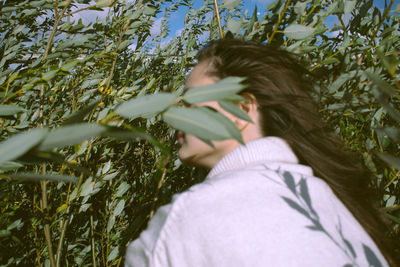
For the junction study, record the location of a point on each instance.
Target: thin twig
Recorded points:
(63, 230)
(216, 9)
(64, 225)
(92, 237)
(159, 185)
(53, 32)
(116, 56)
(47, 233)
(278, 22)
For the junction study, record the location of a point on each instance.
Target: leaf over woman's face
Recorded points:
(197, 122)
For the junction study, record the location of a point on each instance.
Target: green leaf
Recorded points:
(40, 177)
(122, 189)
(226, 122)
(234, 26)
(145, 106)
(71, 135)
(19, 144)
(4, 233)
(80, 114)
(9, 165)
(8, 110)
(87, 187)
(18, 223)
(230, 4)
(104, 3)
(119, 208)
(196, 122)
(298, 32)
(234, 110)
(69, 65)
(148, 10)
(331, 60)
(220, 90)
(49, 75)
(113, 254)
(124, 45)
(390, 159)
(349, 6)
(273, 5)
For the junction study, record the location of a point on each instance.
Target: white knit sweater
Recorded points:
(257, 207)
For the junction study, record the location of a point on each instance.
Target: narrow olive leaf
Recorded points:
(80, 114)
(104, 3)
(298, 32)
(390, 159)
(220, 90)
(8, 110)
(69, 65)
(349, 5)
(196, 122)
(381, 84)
(9, 165)
(133, 134)
(146, 105)
(384, 91)
(49, 75)
(227, 123)
(234, 110)
(19, 144)
(39, 177)
(71, 135)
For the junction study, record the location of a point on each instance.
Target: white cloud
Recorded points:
(156, 27)
(88, 16)
(178, 32)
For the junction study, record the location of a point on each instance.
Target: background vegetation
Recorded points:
(81, 173)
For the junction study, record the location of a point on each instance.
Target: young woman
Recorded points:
(291, 196)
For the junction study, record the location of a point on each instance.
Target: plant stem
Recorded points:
(278, 22)
(116, 56)
(47, 226)
(53, 32)
(216, 9)
(92, 237)
(60, 242)
(159, 185)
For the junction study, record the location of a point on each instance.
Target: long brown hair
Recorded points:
(278, 81)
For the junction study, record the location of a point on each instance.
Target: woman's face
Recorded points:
(193, 151)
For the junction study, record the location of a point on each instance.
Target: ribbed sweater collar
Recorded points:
(272, 149)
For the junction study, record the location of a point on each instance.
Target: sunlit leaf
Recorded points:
(196, 122)
(40, 177)
(298, 32)
(7, 110)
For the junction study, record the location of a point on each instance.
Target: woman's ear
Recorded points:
(250, 107)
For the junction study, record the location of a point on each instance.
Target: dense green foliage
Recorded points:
(81, 173)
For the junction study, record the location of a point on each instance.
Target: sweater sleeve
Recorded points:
(140, 252)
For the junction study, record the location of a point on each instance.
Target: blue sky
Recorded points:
(176, 24)
(177, 21)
